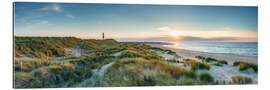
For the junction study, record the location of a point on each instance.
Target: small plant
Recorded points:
(200, 65)
(245, 65)
(217, 64)
(222, 62)
(209, 59)
(188, 62)
(173, 60)
(206, 77)
(191, 74)
(241, 80)
(200, 57)
(236, 63)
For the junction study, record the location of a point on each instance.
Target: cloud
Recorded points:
(182, 39)
(53, 7)
(43, 22)
(207, 39)
(70, 16)
(167, 29)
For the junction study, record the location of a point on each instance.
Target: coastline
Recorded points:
(221, 56)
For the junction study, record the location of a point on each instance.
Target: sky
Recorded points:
(131, 22)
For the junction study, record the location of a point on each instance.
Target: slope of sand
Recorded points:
(220, 56)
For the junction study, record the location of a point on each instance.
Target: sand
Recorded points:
(220, 56)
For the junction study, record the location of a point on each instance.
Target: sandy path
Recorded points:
(221, 56)
(97, 76)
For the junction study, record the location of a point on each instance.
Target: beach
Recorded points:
(221, 56)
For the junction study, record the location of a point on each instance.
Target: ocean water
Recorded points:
(239, 48)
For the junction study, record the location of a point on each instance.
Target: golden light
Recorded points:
(175, 33)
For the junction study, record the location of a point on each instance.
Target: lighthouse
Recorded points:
(103, 36)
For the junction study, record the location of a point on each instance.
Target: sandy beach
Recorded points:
(221, 56)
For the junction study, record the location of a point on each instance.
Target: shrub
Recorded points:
(188, 62)
(246, 65)
(218, 64)
(222, 62)
(236, 63)
(200, 65)
(25, 80)
(191, 74)
(200, 57)
(206, 77)
(241, 80)
(209, 59)
(173, 60)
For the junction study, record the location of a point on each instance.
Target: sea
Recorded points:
(238, 48)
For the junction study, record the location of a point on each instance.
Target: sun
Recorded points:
(175, 33)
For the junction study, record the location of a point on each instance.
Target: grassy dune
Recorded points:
(44, 62)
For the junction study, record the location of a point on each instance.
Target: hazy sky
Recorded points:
(137, 22)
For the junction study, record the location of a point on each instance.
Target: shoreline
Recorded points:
(221, 56)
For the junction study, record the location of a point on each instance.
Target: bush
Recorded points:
(218, 64)
(222, 62)
(241, 80)
(188, 62)
(199, 65)
(200, 57)
(25, 80)
(246, 65)
(173, 60)
(206, 77)
(236, 63)
(191, 74)
(209, 59)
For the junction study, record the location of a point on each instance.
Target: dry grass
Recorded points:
(241, 80)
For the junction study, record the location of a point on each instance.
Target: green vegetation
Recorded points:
(200, 57)
(206, 77)
(143, 72)
(200, 65)
(209, 59)
(46, 62)
(189, 62)
(218, 64)
(222, 62)
(44, 47)
(173, 60)
(51, 75)
(163, 51)
(246, 65)
(241, 80)
(195, 65)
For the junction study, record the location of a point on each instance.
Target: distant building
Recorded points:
(103, 36)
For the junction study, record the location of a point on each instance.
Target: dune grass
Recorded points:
(222, 62)
(200, 65)
(173, 60)
(200, 57)
(143, 72)
(195, 65)
(246, 65)
(241, 80)
(206, 77)
(52, 76)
